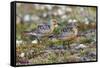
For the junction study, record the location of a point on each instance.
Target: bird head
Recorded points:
(54, 22)
(72, 22)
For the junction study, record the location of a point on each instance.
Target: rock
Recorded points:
(60, 47)
(84, 59)
(92, 54)
(24, 61)
(52, 47)
(81, 46)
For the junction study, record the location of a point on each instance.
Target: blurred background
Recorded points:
(30, 15)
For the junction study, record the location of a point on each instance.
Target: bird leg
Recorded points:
(64, 45)
(68, 44)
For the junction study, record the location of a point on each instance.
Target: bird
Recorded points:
(43, 30)
(69, 32)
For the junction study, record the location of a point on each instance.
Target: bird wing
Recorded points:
(44, 28)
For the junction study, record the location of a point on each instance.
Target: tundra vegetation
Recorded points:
(59, 43)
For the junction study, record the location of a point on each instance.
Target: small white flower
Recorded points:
(74, 20)
(60, 12)
(70, 20)
(82, 45)
(27, 17)
(64, 17)
(33, 33)
(19, 42)
(49, 7)
(35, 42)
(81, 9)
(69, 9)
(86, 21)
(22, 54)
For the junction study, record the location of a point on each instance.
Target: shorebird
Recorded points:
(43, 30)
(69, 33)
